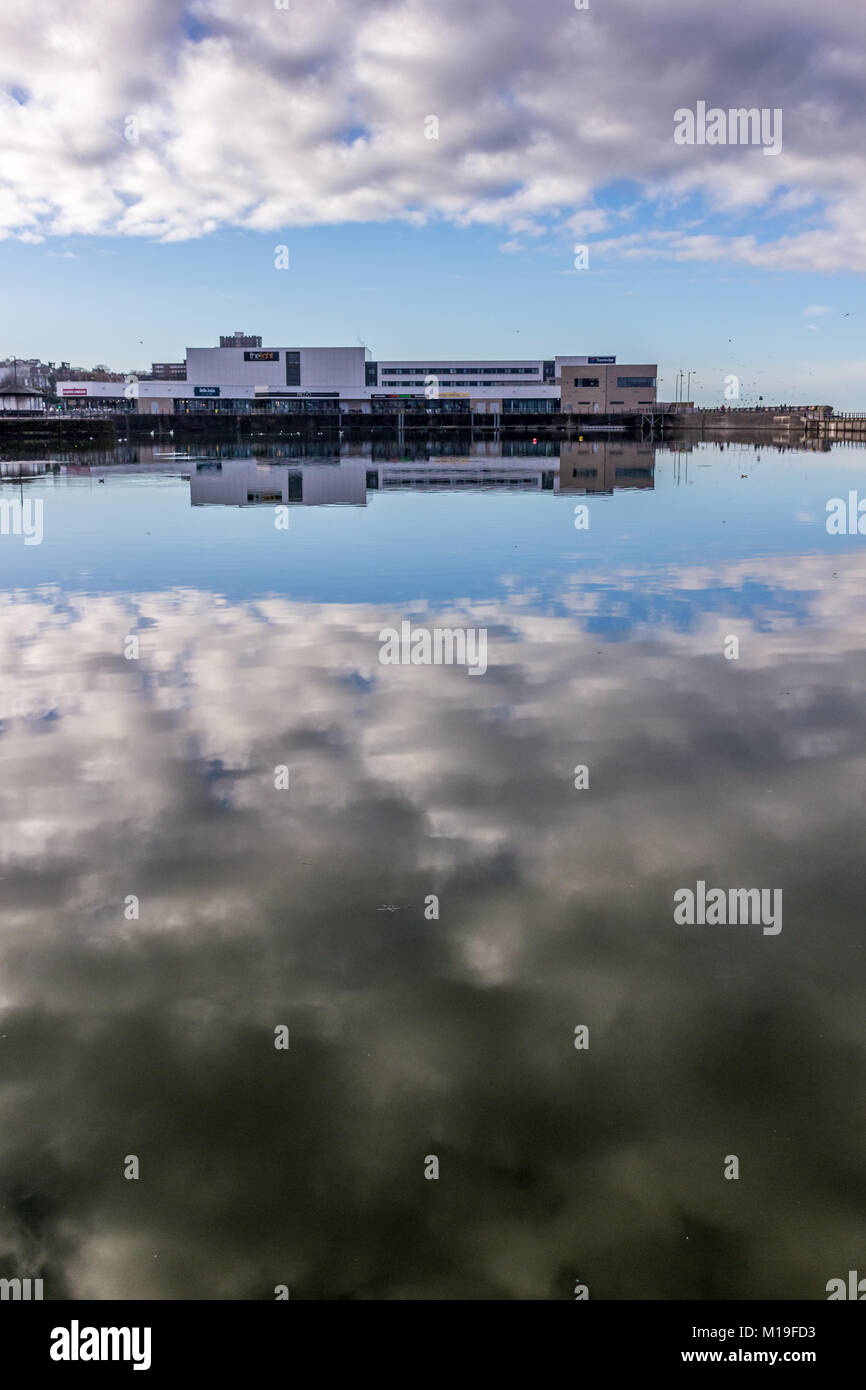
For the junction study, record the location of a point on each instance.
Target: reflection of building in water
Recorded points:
(439, 474)
(24, 468)
(602, 465)
(248, 483)
(346, 481)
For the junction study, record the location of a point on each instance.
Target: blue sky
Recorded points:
(250, 133)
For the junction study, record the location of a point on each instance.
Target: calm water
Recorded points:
(411, 1036)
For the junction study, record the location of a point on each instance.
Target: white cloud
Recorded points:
(815, 311)
(263, 118)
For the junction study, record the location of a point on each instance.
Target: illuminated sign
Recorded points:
(606, 361)
(75, 390)
(261, 357)
(206, 390)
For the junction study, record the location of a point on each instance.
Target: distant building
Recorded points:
(240, 340)
(28, 371)
(168, 371)
(242, 377)
(89, 374)
(21, 400)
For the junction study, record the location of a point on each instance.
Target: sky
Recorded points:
(418, 178)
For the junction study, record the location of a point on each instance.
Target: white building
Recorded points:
(21, 400)
(239, 380)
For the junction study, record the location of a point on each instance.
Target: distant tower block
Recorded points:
(240, 340)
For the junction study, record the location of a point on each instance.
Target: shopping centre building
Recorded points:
(244, 379)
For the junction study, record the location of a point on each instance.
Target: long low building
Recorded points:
(240, 380)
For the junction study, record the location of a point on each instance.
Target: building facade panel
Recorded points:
(600, 385)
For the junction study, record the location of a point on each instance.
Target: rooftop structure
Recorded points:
(239, 340)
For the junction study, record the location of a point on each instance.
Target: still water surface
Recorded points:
(258, 648)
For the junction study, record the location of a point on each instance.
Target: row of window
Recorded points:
(459, 371)
(618, 472)
(589, 382)
(267, 406)
(482, 480)
(532, 407)
(383, 404)
(461, 383)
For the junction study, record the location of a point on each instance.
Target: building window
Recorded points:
(587, 382)
(293, 369)
(530, 407)
(635, 381)
(371, 372)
